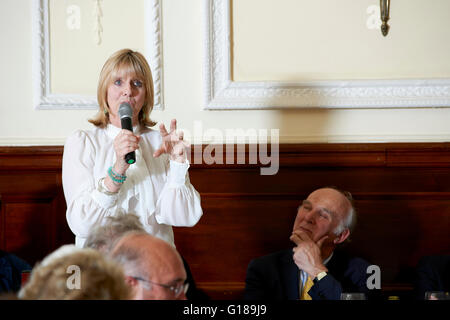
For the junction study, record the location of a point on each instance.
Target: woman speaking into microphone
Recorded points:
(98, 182)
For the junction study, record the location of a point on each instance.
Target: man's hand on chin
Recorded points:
(307, 253)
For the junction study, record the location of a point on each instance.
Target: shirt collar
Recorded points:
(328, 259)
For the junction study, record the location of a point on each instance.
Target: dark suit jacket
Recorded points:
(11, 268)
(193, 293)
(432, 274)
(276, 277)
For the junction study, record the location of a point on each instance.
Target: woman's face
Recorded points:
(125, 87)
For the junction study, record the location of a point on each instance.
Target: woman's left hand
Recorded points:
(173, 143)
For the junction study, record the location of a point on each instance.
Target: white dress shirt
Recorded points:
(158, 190)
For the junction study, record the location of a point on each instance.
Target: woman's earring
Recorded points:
(105, 111)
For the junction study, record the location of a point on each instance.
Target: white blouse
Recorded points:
(158, 190)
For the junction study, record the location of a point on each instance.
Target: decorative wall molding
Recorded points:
(221, 92)
(154, 48)
(44, 99)
(98, 28)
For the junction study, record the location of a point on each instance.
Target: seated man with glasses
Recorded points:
(153, 268)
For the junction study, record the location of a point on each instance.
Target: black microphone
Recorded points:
(126, 114)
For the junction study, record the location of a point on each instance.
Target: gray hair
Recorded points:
(103, 237)
(350, 221)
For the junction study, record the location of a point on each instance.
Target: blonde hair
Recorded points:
(128, 61)
(100, 278)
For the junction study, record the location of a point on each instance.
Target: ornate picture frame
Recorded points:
(221, 92)
(43, 98)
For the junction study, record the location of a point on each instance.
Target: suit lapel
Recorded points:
(290, 277)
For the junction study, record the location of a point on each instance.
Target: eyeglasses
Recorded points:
(174, 289)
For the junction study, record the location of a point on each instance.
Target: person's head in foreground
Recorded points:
(153, 268)
(103, 237)
(76, 274)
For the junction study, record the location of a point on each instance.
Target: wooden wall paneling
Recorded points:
(30, 189)
(396, 241)
(2, 224)
(27, 229)
(383, 183)
(63, 234)
(301, 180)
(233, 231)
(402, 194)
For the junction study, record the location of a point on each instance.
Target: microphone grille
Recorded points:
(125, 110)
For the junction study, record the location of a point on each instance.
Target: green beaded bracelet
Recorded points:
(115, 176)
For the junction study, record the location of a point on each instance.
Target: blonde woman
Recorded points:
(97, 180)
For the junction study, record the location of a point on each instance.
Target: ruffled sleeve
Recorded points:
(179, 203)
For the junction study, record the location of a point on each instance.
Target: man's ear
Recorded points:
(342, 237)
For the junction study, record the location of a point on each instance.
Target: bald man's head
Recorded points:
(152, 266)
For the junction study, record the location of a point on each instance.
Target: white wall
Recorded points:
(337, 39)
(20, 124)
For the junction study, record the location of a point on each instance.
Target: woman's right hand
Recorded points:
(124, 143)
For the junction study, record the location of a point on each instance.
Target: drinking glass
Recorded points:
(353, 296)
(437, 295)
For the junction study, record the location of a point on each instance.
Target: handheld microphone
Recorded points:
(126, 114)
